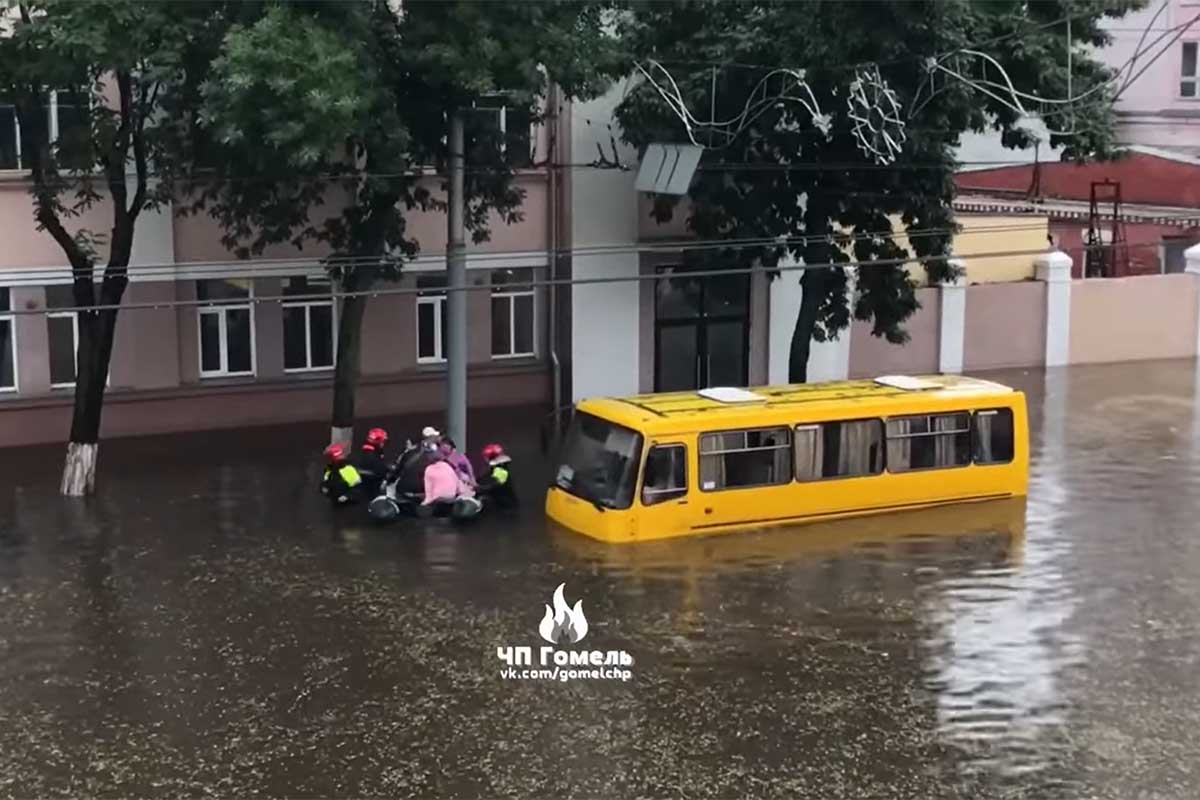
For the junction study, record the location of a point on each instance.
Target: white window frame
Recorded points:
(511, 295)
(74, 317)
(10, 318)
(53, 107)
(438, 301)
(220, 308)
(308, 305)
(1194, 78)
(498, 103)
(52, 113)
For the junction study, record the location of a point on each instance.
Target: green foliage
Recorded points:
(126, 66)
(328, 122)
(334, 114)
(783, 178)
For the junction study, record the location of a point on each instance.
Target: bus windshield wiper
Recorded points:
(588, 495)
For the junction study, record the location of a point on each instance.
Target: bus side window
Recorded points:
(839, 449)
(994, 436)
(665, 476)
(929, 441)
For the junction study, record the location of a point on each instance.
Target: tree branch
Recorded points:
(139, 151)
(115, 159)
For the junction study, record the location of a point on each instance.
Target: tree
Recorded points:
(337, 112)
(125, 65)
(783, 177)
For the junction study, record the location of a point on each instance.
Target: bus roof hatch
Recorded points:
(906, 382)
(729, 394)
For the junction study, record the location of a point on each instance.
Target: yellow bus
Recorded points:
(692, 463)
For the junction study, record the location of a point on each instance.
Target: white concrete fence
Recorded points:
(831, 360)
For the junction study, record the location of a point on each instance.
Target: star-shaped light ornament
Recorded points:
(875, 111)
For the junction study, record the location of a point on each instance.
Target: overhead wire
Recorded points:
(497, 258)
(248, 267)
(537, 283)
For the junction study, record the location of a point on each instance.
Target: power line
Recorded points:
(300, 298)
(334, 178)
(200, 268)
(283, 267)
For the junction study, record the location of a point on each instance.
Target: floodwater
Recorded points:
(206, 626)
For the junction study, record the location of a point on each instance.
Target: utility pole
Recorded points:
(456, 296)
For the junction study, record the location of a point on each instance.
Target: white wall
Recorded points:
(827, 361)
(604, 208)
(785, 294)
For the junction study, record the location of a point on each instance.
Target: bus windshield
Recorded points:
(599, 461)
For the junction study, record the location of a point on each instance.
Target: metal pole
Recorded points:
(456, 300)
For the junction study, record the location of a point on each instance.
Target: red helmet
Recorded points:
(491, 451)
(377, 437)
(335, 452)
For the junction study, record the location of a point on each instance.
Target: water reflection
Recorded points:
(999, 637)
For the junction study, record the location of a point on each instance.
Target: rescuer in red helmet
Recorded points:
(496, 485)
(341, 482)
(371, 463)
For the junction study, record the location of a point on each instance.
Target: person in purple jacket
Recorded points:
(461, 464)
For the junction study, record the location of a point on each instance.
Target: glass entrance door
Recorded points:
(700, 330)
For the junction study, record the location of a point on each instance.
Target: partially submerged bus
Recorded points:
(716, 460)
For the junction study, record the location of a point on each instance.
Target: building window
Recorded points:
(738, 459)
(1189, 80)
(994, 436)
(63, 331)
(308, 325)
(513, 316)
(71, 129)
(10, 135)
(843, 449)
(504, 126)
(928, 441)
(665, 475)
(64, 348)
(226, 327)
(8, 343)
(431, 316)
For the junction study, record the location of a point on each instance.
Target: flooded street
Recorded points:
(207, 626)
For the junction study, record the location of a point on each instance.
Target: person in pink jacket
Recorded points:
(441, 483)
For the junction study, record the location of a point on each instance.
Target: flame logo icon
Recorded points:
(563, 623)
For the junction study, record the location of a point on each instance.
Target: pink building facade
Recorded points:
(1161, 108)
(208, 341)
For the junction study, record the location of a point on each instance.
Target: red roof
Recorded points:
(1144, 177)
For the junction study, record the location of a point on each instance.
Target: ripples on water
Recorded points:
(210, 629)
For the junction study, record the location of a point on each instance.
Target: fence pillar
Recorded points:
(1192, 256)
(953, 323)
(1054, 268)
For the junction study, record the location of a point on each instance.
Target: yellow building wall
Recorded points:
(981, 238)
(983, 235)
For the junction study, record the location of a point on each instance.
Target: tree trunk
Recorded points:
(97, 330)
(349, 352)
(812, 287)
